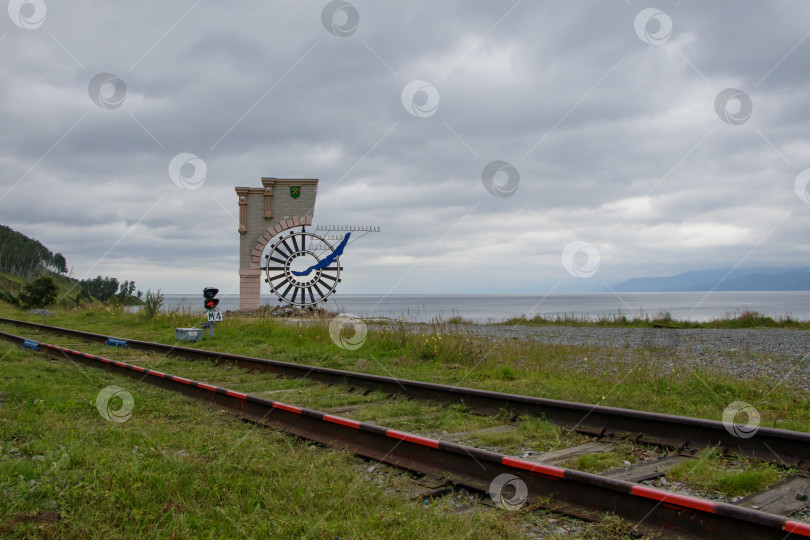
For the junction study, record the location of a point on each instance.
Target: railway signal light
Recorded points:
(209, 302)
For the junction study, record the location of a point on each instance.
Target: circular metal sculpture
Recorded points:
(302, 268)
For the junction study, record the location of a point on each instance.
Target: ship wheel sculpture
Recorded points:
(302, 268)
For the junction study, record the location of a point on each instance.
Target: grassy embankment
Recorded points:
(11, 284)
(177, 467)
(69, 289)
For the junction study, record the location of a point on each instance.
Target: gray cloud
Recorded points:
(616, 141)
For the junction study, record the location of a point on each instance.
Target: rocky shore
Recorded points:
(789, 344)
(778, 354)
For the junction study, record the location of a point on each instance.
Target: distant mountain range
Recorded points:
(760, 278)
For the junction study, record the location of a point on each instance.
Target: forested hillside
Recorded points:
(25, 257)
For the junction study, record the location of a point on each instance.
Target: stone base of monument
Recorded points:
(284, 311)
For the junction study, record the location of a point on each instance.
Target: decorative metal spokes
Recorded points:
(296, 270)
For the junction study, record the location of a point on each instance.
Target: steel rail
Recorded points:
(571, 491)
(779, 446)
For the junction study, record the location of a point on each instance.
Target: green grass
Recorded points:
(744, 319)
(711, 471)
(179, 468)
(598, 462)
(10, 283)
(623, 377)
(530, 433)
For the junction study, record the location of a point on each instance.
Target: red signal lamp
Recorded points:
(209, 301)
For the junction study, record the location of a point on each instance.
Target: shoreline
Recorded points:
(682, 306)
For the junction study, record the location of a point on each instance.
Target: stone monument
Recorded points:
(264, 212)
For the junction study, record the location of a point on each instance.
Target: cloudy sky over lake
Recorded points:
(500, 146)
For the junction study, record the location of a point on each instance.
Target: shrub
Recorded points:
(153, 303)
(38, 293)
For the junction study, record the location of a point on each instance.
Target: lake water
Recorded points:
(694, 306)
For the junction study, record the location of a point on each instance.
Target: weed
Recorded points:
(153, 303)
(732, 477)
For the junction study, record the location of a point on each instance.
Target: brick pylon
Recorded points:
(280, 204)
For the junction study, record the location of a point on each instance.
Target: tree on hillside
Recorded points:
(38, 293)
(127, 289)
(60, 263)
(100, 288)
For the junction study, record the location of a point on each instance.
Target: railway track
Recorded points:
(572, 492)
(777, 446)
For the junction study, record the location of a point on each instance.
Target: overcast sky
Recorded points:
(521, 147)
